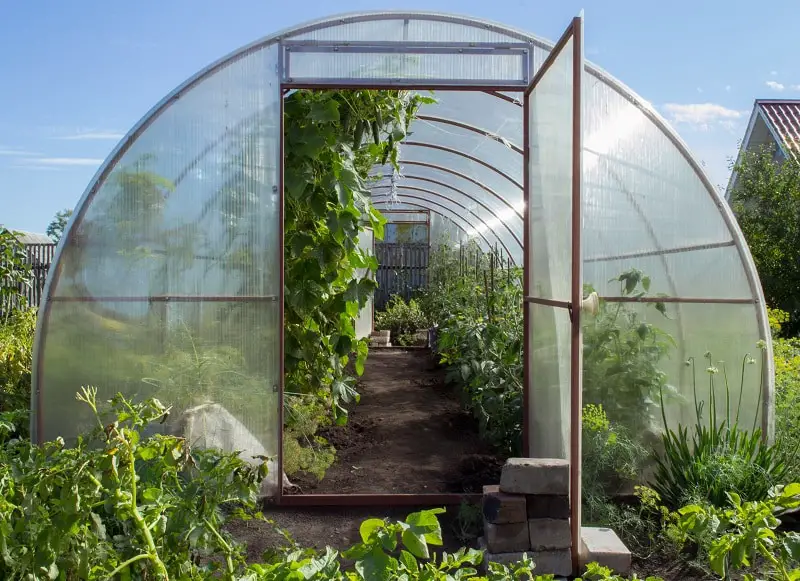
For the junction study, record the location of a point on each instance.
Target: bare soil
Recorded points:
(409, 434)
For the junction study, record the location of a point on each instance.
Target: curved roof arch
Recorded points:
(647, 202)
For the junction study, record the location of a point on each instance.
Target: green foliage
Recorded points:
(612, 459)
(119, 503)
(717, 456)
(595, 572)
(766, 202)
(737, 535)
(55, 229)
(402, 318)
(478, 309)
(16, 356)
(332, 140)
(622, 353)
(15, 274)
(786, 353)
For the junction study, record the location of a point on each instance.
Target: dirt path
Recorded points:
(408, 434)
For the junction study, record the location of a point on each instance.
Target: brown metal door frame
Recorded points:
(575, 33)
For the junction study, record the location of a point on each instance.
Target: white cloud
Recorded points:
(775, 86)
(60, 161)
(16, 152)
(795, 87)
(774, 73)
(702, 115)
(94, 135)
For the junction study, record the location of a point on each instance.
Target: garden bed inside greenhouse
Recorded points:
(408, 435)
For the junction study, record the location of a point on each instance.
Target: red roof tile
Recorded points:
(784, 117)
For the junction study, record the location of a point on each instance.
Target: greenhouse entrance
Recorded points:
(434, 178)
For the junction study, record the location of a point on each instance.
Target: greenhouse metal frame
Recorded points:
(562, 203)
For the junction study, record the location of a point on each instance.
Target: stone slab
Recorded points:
(547, 534)
(603, 546)
(502, 508)
(548, 506)
(535, 476)
(506, 538)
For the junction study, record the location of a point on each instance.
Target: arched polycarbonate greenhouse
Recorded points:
(526, 149)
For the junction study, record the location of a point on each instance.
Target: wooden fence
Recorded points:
(402, 268)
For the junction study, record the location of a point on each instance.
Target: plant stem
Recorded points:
(140, 523)
(225, 547)
(127, 563)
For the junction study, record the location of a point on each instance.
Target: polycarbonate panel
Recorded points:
(366, 240)
(500, 67)
(445, 232)
(728, 332)
(498, 154)
(415, 28)
(190, 208)
(184, 354)
(405, 216)
(550, 175)
(640, 193)
(549, 332)
(481, 110)
(488, 220)
(169, 281)
(706, 273)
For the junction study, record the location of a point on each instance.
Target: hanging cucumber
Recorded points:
(359, 134)
(376, 134)
(387, 150)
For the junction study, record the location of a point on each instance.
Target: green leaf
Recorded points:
(414, 541)
(325, 111)
(370, 527)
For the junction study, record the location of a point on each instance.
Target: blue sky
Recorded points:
(77, 75)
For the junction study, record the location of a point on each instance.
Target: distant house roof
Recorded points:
(33, 238)
(772, 122)
(783, 118)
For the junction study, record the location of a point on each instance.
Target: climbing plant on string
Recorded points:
(331, 141)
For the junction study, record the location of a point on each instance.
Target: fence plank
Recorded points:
(402, 269)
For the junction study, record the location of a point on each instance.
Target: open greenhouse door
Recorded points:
(553, 287)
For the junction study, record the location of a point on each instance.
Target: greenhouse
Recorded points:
(509, 156)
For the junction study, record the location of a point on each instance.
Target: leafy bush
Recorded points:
(714, 458)
(16, 357)
(736, 536)
(612, 459)
(401, 318)
(15, 274)
(786, 353)
(480, 338)
(622, 353)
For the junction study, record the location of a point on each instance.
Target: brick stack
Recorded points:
(528, 513)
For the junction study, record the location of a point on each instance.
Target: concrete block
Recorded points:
(502, 508)
(506, 538)
(558, 563)
(549, 534)
(548, 506)
(535, 476)
(603, 546)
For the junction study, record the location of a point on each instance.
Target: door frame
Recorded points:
(573, 32)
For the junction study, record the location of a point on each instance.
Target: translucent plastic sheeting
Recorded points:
(364, 319)
(409, 27)
(549, 396)
(394, 217)
(550, 174)
(445, 232)
(711, 273)
(168, 283)
(548, 269)
(487, 218)
(483, 68)
(638, 185)
(174, 219)
(481, 110)
(726, 332)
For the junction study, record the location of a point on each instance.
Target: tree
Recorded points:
(766, 202)
(56, 227)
